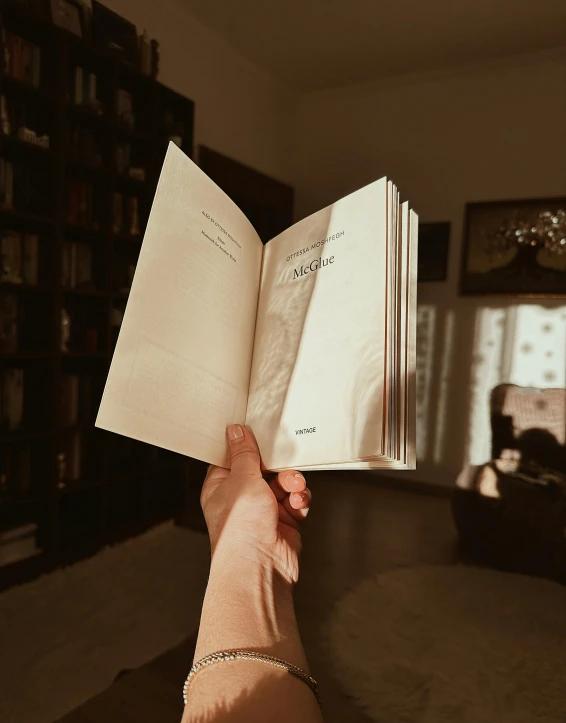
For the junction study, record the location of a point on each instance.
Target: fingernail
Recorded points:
(235, 432)
(298, 476)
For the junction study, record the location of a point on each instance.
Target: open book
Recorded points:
(309, 339)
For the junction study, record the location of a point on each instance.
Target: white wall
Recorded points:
(240, 110)
(484, 133)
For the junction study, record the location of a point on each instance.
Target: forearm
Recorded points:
(249, 606)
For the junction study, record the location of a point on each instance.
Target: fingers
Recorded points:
(297, 504)
(291, 481)
(244, 451)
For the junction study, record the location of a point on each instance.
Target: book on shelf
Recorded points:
(6, 184)
(8, 323)
(12, 398)
(76, 265)
(19, 257)
(309, 339)
(72, 450)
(11, 269)
(125, 107)
(84, 87)
(22, 59)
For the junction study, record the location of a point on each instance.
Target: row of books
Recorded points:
(11, 398)
(19, 257)
(24, 188)
(22, 59)
(125, 215)
(81, 208)
(76, 269)
(84, 88)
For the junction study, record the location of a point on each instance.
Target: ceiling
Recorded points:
(312, 44)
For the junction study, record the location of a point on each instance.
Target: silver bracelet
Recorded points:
(226, 655)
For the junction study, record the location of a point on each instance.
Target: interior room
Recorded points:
(428, 594)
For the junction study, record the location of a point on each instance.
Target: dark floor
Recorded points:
(356, 528)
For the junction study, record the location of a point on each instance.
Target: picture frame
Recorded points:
(434, 242)
(494, 263)
(67, 14)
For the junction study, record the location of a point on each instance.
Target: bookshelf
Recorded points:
(74, 210)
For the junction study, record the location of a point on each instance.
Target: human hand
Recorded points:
(247, 515)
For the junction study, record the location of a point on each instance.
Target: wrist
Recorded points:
(249, 606)
(249, 566)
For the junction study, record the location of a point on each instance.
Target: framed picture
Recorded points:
(434, 239)
(515, 247)
(67, 15)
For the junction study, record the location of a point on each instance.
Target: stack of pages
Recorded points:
(309, 339)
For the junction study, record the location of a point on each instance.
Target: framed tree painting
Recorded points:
(434, 239)
(515, 248)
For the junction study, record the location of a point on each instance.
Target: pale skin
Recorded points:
(255, 543)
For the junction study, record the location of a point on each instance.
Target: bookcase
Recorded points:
(83, 136)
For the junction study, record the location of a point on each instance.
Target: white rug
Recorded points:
(65, 637)
(453, 644)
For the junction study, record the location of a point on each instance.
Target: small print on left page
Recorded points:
(180, 371)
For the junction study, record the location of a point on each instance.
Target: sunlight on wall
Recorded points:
(447, 349)
(523, 345)
(426, 318)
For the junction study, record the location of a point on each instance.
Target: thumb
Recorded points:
(244, 451)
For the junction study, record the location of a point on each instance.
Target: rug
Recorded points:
(66, 636)
(454, 643)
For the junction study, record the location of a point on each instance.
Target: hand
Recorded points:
(247, 515)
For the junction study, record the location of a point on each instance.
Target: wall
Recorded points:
(240, 110)
(483, 133)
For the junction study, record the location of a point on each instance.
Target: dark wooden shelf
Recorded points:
(13, 501)
(26, 216)
(79, 166)
(22, 355)
(31, 288)
(24, 435)
(80, 112)
(85, 231)
(96, 293)
(9, 83)
(125, 131)
(126, 238)
(31, 150)
(85, 354)
(119, 495)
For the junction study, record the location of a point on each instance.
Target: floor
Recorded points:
(356, 528)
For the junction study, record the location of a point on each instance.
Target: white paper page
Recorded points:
(180, 371)
(320, 338)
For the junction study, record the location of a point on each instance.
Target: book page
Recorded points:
(316, 390)
(180, 371)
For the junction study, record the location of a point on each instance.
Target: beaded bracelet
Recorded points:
(227, 655)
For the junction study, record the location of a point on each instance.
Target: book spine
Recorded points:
(78, 85)
(9, 185)
(36, 66)
(92, 88)
(17, 62)
(31, 258)
(27, 62)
